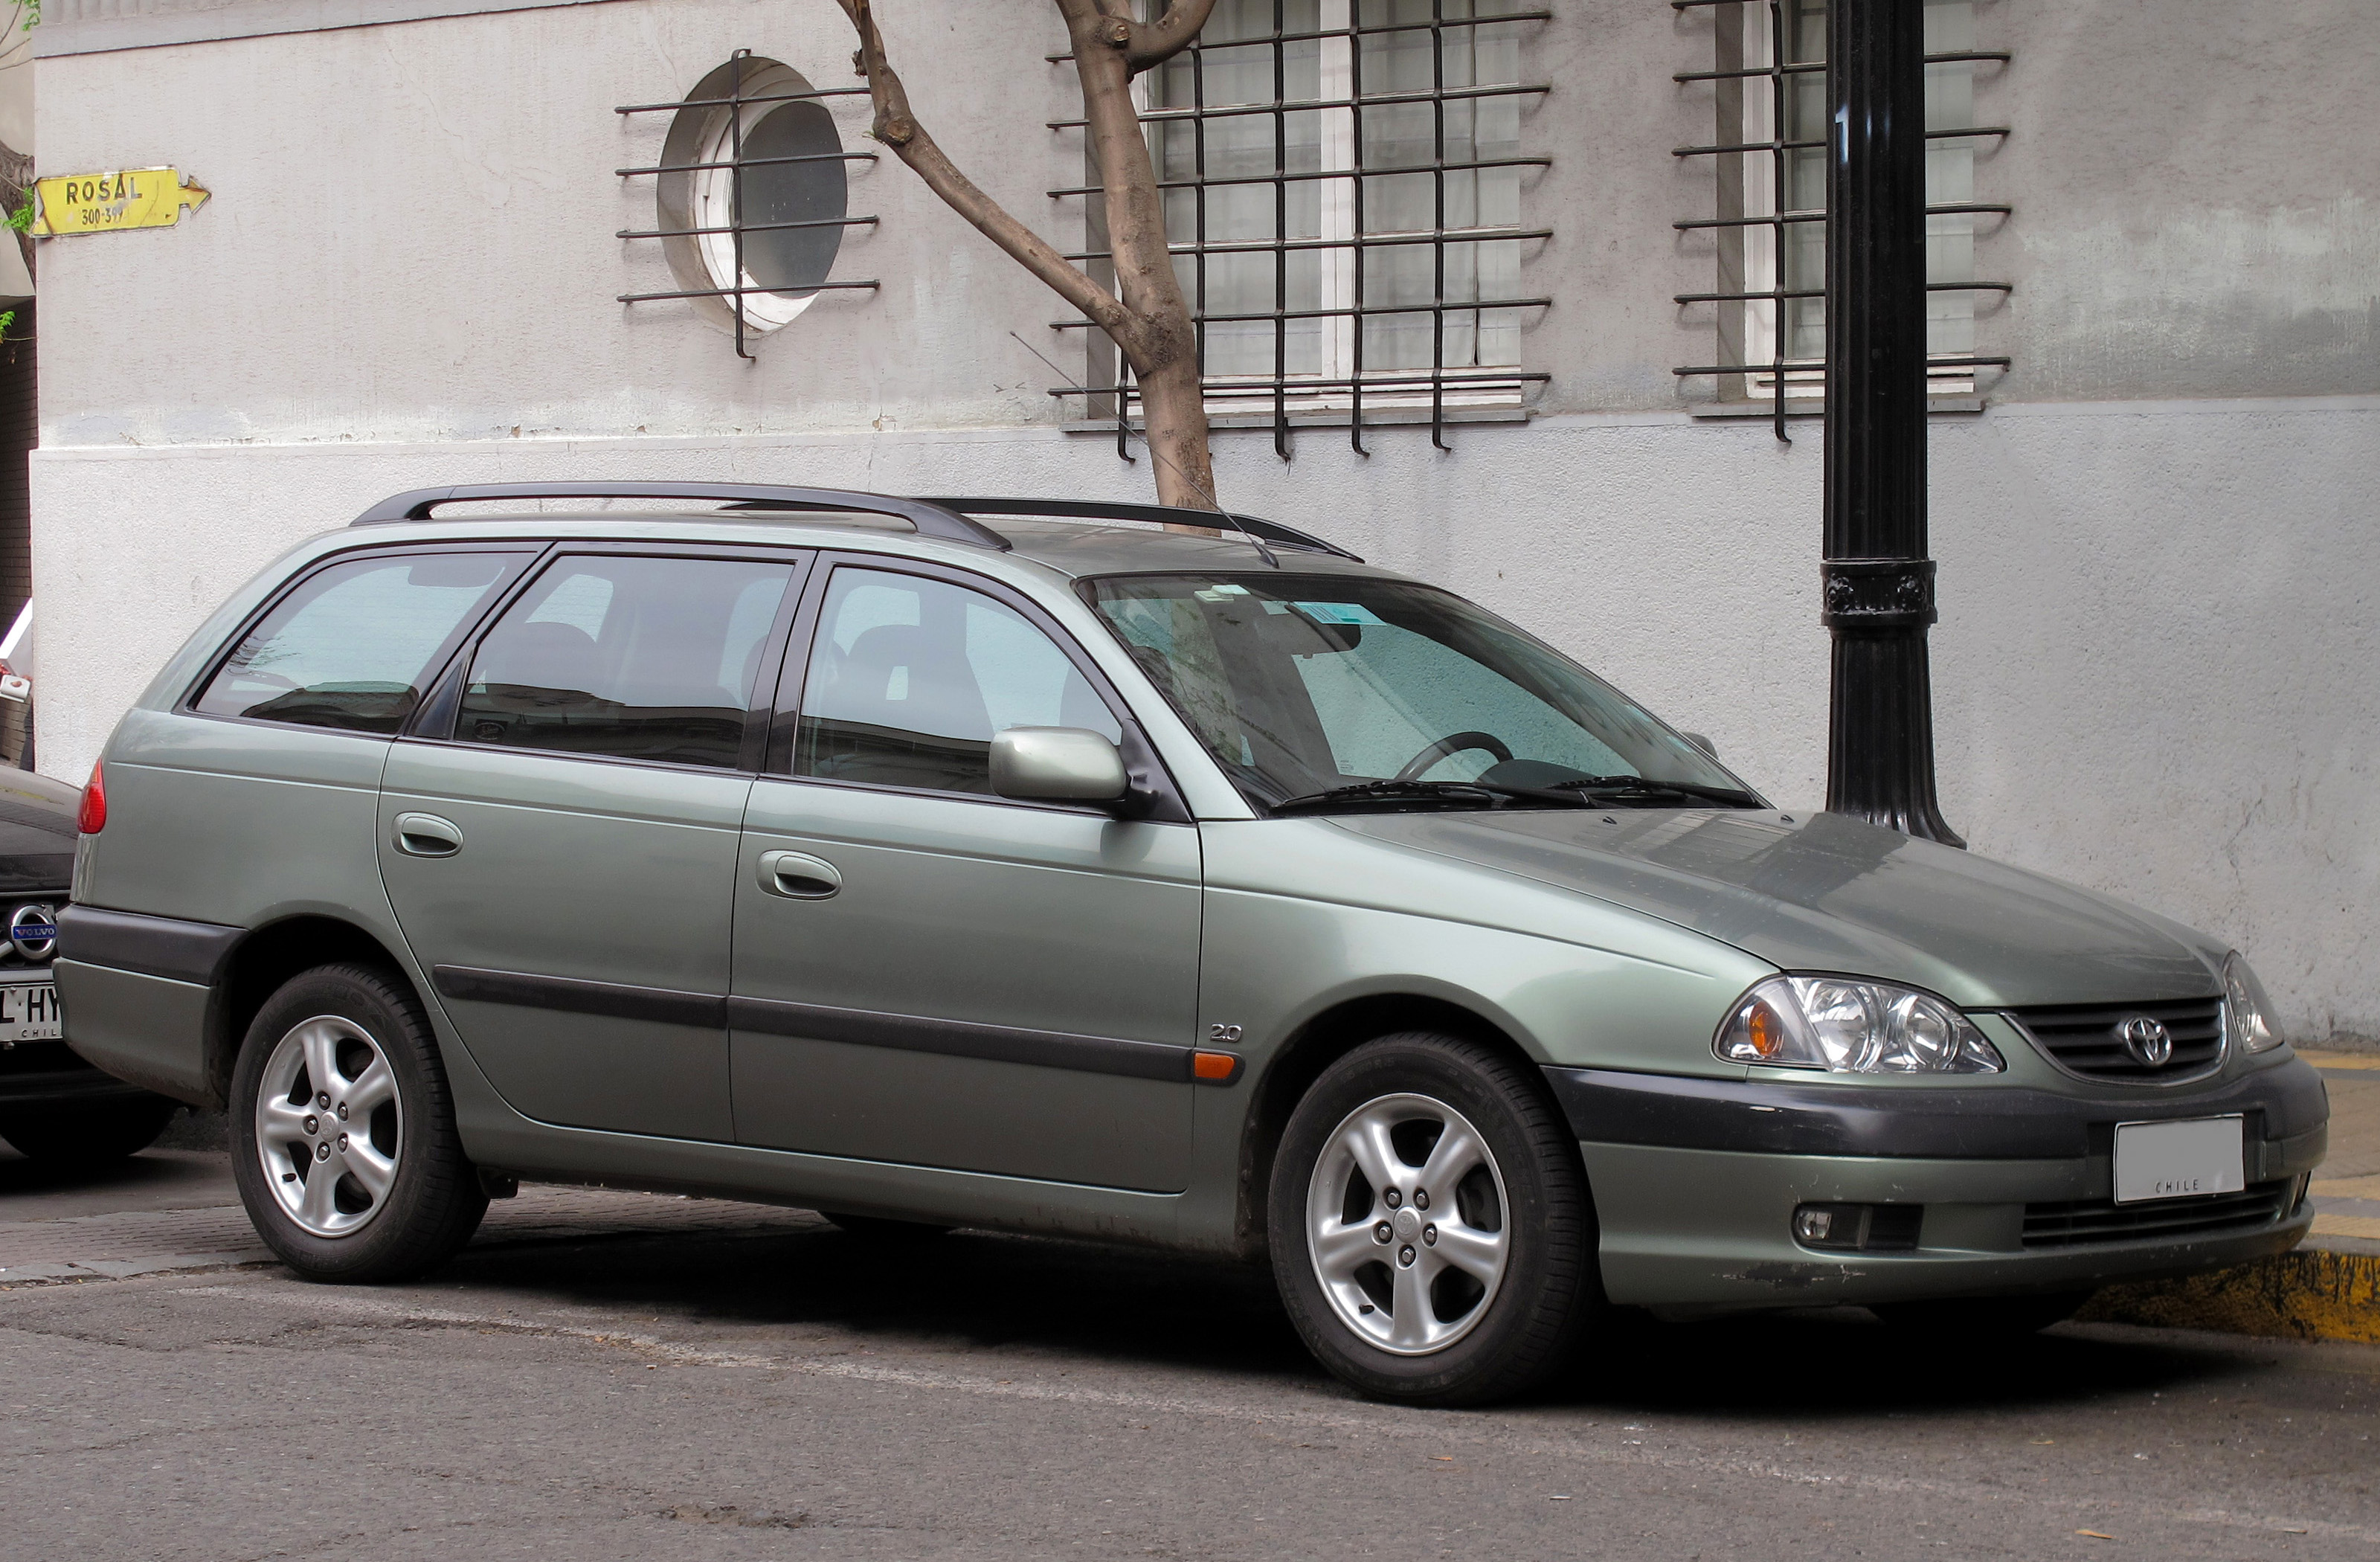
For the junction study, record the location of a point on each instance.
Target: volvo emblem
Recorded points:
(34, 932)
(2147, 1039)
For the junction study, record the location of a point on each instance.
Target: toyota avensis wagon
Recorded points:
(1066, 873)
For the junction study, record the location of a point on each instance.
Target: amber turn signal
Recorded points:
(1214, 1067)
(1764, 1028)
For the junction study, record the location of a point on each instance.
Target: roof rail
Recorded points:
(1163, 515)
(930, 518)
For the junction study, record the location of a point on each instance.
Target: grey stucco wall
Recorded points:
(411, 235)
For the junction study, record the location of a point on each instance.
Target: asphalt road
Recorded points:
(666, 1378)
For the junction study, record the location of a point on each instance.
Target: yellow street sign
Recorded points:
(119, 198)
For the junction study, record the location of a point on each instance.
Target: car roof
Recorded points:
(1119, 538)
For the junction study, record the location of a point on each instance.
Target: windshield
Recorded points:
(1302, 685)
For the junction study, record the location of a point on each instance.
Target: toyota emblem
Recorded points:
(2147, 1039)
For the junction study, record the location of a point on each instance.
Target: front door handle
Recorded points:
(797, 876)
(425, 835)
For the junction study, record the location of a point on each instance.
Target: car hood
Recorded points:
(1821, 892)
(37, 832)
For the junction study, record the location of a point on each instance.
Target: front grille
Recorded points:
(11, 957)
(2083, 1038)
(2081, 1220)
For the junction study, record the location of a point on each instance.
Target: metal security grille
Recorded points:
(1342, 180)
(735, 165)
(1770, 78)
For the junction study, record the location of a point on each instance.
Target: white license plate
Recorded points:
(28, 1012)
(2180, 1160)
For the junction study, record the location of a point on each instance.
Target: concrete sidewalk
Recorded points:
(2347, 1190)
(2329, 1287)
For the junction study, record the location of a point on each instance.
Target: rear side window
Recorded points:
(627, 658)
(352, 645)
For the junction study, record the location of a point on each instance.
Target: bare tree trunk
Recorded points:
(1172, 400)
(1150, 323)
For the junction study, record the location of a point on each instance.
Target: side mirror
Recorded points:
(1057, 765)
(1699, 742)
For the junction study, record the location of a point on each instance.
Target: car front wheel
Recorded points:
(1429, 1224)
(342, 1134)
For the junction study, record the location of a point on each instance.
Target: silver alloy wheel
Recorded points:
(1405, 1220)
(329, 1125)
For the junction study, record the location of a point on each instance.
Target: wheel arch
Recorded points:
(268, 957)
(1321, 1040)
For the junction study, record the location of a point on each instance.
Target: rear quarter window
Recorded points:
(351, 646)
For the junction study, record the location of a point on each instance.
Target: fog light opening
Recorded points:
(1858, 1228)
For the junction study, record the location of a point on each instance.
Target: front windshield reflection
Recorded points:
(1302, 685)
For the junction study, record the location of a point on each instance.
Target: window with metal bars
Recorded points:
(1769, 77)
(1343, 184)
(752, 196)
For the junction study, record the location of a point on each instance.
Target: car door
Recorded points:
(931, 974)
(561, 847)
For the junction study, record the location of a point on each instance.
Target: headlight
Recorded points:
(1848, 1027)
(2248, 1013)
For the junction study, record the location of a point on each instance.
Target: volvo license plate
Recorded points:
(2180, 1160)
(28, 1011)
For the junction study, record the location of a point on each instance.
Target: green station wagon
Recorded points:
(1073, 871)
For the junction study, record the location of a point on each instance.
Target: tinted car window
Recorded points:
(910, 677)
(629, 658)
(351, 645)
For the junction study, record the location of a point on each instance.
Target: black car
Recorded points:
(53, 1107)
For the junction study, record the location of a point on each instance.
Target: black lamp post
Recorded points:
(1878, 582)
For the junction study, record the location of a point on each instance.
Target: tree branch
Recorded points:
(1154, 43)
(897, 127)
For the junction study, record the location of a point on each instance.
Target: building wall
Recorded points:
(2158, 560)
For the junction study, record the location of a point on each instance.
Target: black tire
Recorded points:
(433, 1202)
(1550, 1290)
(881, 1228)
(89, 1134)
(1965, 1320)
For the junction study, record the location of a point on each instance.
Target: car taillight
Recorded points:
(93, 817)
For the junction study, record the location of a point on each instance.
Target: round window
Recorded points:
(758, 195)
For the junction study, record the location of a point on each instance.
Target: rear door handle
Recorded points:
(797, 876)
(425, 835)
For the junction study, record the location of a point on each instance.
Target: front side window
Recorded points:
(1302, 685)
(627, 658)
(352, 645)
(911, 677)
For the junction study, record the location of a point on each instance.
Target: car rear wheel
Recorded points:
(1429, 1224)
(91, 1134)
(342, 1133)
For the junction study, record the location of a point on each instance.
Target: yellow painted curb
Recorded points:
(2311, 1293)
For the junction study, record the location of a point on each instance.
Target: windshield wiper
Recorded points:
(1621, 786)
(1485, 793)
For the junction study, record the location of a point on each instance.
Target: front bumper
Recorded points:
(1696, 1182)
